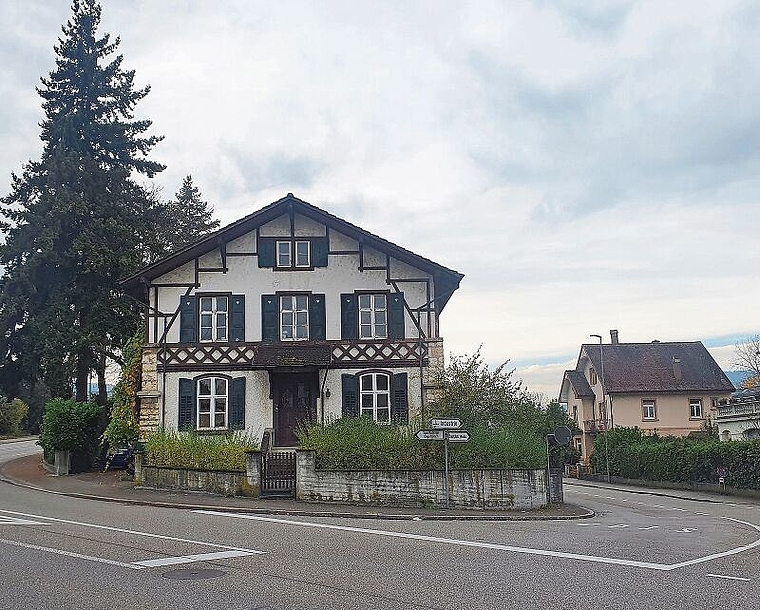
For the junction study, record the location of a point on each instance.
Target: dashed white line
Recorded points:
(168, 561)
(703, 514)
(47, 549)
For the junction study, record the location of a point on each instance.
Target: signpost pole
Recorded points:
(446, 465)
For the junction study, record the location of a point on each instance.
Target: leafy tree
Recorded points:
(76, 221)
(123, 427)
(747, 358)
(190, 215)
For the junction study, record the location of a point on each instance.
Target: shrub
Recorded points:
(358, 443)
(201, 452)
(69, 425)
(123, 425)
(12, 413)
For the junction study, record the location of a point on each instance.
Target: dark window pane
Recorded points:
(382, 383)
(204, 387)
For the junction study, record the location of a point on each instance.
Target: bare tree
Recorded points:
(747, 358)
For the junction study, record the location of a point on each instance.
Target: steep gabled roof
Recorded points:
(579, 384)
(648, 367)
(447, 280)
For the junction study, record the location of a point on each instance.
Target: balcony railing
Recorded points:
(739, 409)
(595, 426)
(220, 356)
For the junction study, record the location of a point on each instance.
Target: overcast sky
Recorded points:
(587, 165)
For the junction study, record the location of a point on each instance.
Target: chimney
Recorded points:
(677, 369)
(614, 337)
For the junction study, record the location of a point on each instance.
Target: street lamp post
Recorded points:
(604, 403)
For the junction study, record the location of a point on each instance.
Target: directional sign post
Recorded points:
(430, 435)
(450, 423)
(445, 429)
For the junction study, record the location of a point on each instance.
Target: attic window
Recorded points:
(283, 254)
(592, 376)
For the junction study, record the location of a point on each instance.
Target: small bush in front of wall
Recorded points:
(12, 413)
(225, 452)
(358, 443)
(68, 425)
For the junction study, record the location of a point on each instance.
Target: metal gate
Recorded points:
(278, 472)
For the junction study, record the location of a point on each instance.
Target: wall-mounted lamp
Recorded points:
(327, 393)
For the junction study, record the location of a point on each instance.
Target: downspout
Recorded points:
(322, 391)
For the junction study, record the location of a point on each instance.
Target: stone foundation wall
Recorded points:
(491, 489)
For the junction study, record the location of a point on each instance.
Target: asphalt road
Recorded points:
(641, 551)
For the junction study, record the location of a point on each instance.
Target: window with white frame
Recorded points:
(212, 403)
(592, 376)
(695, 408)
(375, 396)
(213, 318)
(294, 317)
(648, 409)
(303, 254)
(284, 255)
(373, 316)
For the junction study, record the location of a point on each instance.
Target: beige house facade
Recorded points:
(668, 388)
(288, 315)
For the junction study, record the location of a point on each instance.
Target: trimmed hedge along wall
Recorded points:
(679, 460)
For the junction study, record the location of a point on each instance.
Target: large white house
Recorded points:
(287, 315)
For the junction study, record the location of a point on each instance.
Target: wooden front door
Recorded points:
(295, 402)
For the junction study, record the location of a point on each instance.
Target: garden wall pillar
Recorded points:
(253, 473)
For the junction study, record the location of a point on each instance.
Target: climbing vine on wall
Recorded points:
(123, 426)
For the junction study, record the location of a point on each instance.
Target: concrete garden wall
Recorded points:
(481, 488)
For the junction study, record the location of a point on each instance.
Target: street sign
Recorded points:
(562, 435)
(458, 436)
(451, 423)
(429, 435)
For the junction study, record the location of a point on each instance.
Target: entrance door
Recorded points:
(295, 401)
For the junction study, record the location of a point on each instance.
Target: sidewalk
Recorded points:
(680, 494)
(111, 487)
(17, 439)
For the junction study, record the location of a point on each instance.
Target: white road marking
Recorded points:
(5, 520)
(687, 530)
(621, 525)
(134, 532)
(683, 510)
(499, 547)
(168, 561)
(649, 527)
(703, 514)
(729, 577)
(70, 554)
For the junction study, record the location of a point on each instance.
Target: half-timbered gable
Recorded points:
(289, 314)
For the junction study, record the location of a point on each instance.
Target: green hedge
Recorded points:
(70, 425)
(358, 443)
(12, 413)
(679, 460)
(201, 452)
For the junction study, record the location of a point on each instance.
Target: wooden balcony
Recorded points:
(739, 410)
(322, 354)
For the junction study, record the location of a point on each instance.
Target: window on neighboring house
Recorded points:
(575, 413)
(212, 403)
(648, 409)
(294, 317)
(213, 318)
(373, 316)
(283, 254)
(375, 396)
(592, 376)
(695, 408)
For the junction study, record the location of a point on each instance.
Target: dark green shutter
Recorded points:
(266, 252)
(188, 320)
(396, 315)
(317, 318)
(350, 396)
(269, 318)
(319, 250)
(400, 404)
(186, 419)
(237, 317)
(237, 403)
(349, 317)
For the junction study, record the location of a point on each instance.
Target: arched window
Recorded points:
(375, 396)
(212, 403)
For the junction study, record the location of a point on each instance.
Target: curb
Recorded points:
(647, 493)
(301, 513)
(18, 439)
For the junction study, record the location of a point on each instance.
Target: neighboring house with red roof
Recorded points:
(288, 315)
(664, 387)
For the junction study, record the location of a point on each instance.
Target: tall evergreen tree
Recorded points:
(190, 215)
(76, 221)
